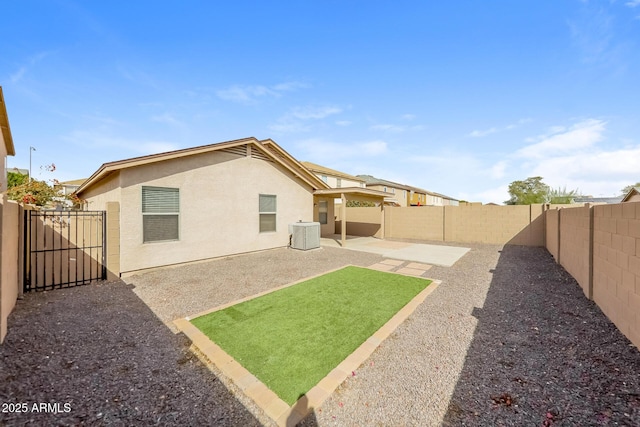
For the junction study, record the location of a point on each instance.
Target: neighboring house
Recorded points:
(69, 187)
(437, 199)
(397, 194)
(6, 148)
(589, 199)
(334, 178)
(406, 195)
(417, 196)
(209, 201)
(633, 195)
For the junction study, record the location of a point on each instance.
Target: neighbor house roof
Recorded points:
(608, 200)
(266, 147)
(74, 182)
(5, 130)
(313, 167)
(631, 193)
(372, 180)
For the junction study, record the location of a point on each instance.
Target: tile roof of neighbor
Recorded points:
(372, 180)
(267, 147)
(74, 182)
(5, 130)
(314, 167)
(608, 200)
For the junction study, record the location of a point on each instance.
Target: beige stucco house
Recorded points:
(209, 201)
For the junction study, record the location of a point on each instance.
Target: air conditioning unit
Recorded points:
(305, 235)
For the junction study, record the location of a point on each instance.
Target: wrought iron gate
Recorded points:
(63, 249)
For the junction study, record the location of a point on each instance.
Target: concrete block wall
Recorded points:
(575, 245)
(616, 265)
(518, 225)
(113, 240)
(552, 233)
(362, 221)
(421, 223)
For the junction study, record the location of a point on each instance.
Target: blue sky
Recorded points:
(460, 98)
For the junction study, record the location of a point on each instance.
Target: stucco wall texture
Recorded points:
(219, 212)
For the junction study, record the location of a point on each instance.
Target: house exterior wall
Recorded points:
(10, 214)
(107, 190)
(219, 213)
(3, 161)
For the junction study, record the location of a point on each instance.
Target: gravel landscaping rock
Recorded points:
(508, 338)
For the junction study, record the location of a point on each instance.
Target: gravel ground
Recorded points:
(507, 339)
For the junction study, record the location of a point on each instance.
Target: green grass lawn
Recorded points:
(292, 338)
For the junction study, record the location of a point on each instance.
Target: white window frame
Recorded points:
(168, 212)
(274, 213)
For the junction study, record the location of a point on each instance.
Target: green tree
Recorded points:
(16, 178)
(628, 188)
(359, 204)
(531, 190)
(562, 196)
(35, 192)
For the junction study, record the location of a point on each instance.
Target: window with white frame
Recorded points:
(323, 210)
(267, 209)
(339, 182)
(160, 214)
(323, 178)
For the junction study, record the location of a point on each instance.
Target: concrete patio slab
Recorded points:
(441, 255)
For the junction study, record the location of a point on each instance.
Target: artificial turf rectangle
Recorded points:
(292, 338)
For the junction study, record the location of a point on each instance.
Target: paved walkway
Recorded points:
(441, 255)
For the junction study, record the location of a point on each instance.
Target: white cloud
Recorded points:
(87, 139)
(31, 61)
(343, 122)
(250, 94)
(498, 170)
(480, 133)
(324, 151)
(167, 119)
(306, 113)
(297, 119)
(492, 130)
(633, 3)
(579, 136)
(395, 128)
(388, 128)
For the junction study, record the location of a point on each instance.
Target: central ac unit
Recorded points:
(305, 235)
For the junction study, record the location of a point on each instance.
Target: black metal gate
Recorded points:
(63, 249)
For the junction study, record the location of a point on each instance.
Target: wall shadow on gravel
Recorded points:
(102, 351)
(543, 354)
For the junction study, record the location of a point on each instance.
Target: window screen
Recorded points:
(160, 214)
(267, 211)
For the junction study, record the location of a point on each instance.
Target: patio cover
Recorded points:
(354, 193)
